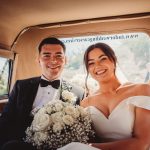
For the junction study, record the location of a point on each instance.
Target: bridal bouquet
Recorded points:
(57, 124)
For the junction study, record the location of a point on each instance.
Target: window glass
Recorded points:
(132, 51)
(4, 76)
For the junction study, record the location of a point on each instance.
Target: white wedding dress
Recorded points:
(119, 124)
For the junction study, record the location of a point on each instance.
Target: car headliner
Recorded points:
(17, 15)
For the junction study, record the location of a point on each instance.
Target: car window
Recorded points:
(5, 66)
(132, 50)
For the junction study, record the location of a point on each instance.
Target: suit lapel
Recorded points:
(31, 93)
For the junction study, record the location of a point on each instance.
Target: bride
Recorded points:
(120, 113)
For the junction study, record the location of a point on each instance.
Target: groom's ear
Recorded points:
(37, 59)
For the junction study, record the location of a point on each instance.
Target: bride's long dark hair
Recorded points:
(106, 49)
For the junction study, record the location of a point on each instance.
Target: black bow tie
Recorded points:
(55, 84)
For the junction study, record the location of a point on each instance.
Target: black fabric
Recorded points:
(16, 116)
(17, 145)
(55, 84)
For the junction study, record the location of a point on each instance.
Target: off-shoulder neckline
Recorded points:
(115, 108)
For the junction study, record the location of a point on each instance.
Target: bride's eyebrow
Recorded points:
(98, 57)
(101, 56)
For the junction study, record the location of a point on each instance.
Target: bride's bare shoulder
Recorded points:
(139, 88)
(144, 89)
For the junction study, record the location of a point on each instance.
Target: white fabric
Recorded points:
(119, 124)
(44, 95)
(77, 146)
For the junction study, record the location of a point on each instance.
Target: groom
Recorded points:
(30, 94)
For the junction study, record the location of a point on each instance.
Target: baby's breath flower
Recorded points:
(40, 136)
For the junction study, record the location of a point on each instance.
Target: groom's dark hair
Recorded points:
(51, 40)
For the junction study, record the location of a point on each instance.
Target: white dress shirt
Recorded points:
(44, 95)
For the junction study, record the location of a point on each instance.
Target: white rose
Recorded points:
(58, 106)
(57, 127)
(41, 122)
(69, 110)
(48, 109)
(57, 117)
(68, 96)
(42, 111)
(68, 120)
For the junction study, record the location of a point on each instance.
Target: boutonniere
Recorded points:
(66, 94)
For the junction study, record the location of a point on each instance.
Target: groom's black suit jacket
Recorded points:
(16, 116)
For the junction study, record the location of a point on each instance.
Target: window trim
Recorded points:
(10, 62)
(7, 54)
